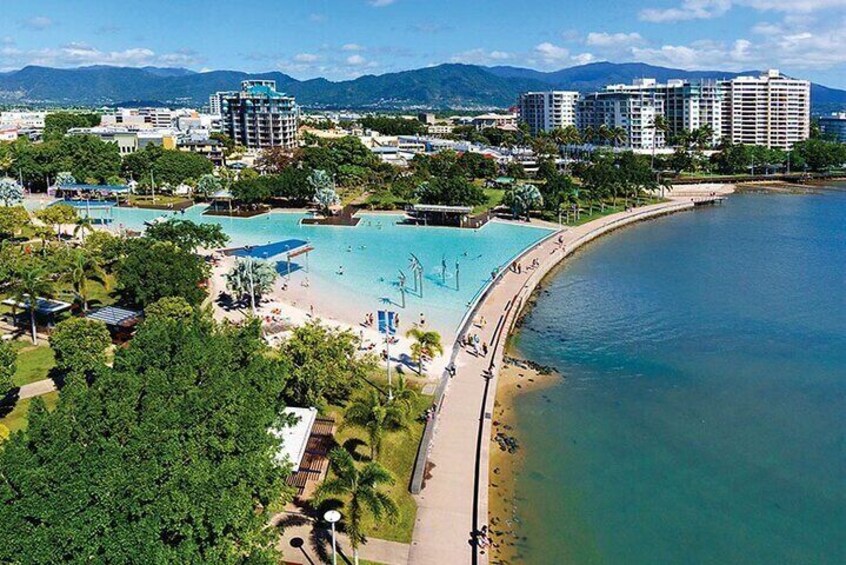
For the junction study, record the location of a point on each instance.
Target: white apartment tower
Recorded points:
(632, 110)
(546, 111)
(770, 110)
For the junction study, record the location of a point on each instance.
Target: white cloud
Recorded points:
(356, 60)
(819, 46)
(481, 57)
(584, 58)
(306, 57)
(38, 23)
(689, 10)
(352, 47)
(380, 3)
(81, 54)
(551, 53)
(601, 39)
(708, 9)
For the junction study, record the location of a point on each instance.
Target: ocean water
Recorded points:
(371, 256)
(703, 414)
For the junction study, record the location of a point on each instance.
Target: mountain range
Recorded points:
(455, 86)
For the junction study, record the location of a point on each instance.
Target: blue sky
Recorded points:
(342, 39)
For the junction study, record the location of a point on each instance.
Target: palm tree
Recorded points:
(604, 133)
(83, 224)
(659, 123)
(81, 268)
(32, 281)
(426, 344)
(361, 487)
(404, 396)
(375, 417)
(589, 134)
(617, 135)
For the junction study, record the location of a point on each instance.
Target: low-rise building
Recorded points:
(211, 149)
(500, 121)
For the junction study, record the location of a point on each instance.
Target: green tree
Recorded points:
(324, 190)
(324, 365)
(360, 487)
(208, 184)
(427, 344)
(80, 345)
(65, 178)
(12, 220)
(251, 278)
(57, 124)
(188, 235)
(170, 307)
(80, 267)
(451, 191)
(375, 415)
(88, 158)
(57, 215)
(30, 283)
(165, 458)
(8, 367)
(153, 269)
(522, 199)
(175, 167)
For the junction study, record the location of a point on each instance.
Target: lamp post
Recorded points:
(332, 516)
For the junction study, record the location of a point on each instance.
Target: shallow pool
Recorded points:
(372, 254)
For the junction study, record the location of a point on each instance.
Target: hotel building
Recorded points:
(770, 110)
(258, 116)
(546, 111)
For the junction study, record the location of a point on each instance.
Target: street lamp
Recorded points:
(333, 516)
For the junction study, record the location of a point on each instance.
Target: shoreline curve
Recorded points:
(451, 476)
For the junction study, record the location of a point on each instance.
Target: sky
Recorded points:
(343, 39)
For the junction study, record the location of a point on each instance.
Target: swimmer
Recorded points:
(341, 270)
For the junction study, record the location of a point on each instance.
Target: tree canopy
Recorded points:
(57, 124)
(165, 458)
(187, 234)
(152, 269)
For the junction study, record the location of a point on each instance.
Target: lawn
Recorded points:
(34, 362)
(17, 419)
(399, 450)
(161, 201)
(494, 198)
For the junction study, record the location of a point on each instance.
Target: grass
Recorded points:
(399, 450)
(18, 418)
(34, 362)
(494, 198)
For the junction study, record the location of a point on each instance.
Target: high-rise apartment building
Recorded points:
(688, 105)
(258, 116)
(545, 111)
(633, 111)
(770, 110)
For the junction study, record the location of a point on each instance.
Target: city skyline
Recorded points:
(344, 39)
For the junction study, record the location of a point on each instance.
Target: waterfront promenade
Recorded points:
(454, 500)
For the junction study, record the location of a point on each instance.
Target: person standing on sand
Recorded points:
(422, 320)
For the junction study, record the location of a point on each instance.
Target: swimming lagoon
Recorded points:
(371, 256)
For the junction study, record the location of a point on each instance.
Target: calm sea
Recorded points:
(703, 414)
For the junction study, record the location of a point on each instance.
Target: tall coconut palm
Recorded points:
(426, 344)
(603, 133)
(361, 489)
(375, 416)
(659, 123)
(81, 268)
(589, 134)
(403, 395)
(32, 282)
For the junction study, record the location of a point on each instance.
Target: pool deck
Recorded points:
(453, 502)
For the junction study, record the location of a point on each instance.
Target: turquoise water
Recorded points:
(703, 414)
(372, 253)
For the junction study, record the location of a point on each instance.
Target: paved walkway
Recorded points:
(36, 389)
(306, 543)
(453, 502)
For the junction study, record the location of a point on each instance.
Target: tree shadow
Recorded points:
(352, 445)
(9, 401)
